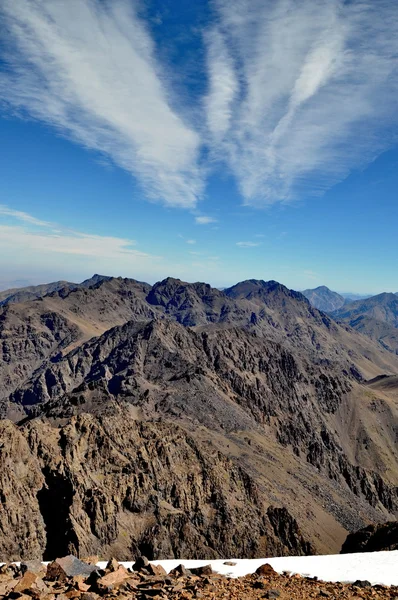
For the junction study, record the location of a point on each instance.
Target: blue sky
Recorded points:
(213, 141)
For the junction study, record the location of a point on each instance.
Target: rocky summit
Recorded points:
(75, 579)
(324, 299)
(180, 420)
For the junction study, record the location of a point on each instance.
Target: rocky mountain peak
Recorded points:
(324, 299)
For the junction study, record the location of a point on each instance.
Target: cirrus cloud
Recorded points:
(298, 94)
(248, 244)
(88, 68)
(205, 220)
(301, 92)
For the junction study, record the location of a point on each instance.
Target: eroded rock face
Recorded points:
(374, 538)
(116, 486)
(260, 399)
(222, 379)
(22, 528)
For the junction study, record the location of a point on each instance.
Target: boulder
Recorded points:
(265, 570)
(68, 566)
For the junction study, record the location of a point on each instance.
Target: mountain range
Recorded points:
(324, 299)
(373, 316)
(376, 317)
(181, 420)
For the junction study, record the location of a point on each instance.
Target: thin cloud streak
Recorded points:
(248, 244)
(26, 233)
(317, 97)
(82, 244)
(88, 68)
(223, 86)
(22, 216)
(205, 220)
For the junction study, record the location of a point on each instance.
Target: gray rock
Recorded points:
(69, 566)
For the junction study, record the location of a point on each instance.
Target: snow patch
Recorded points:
(376, 567)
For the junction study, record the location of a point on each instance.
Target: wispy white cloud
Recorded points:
(248, 244)
(205, 220)
(37, 246)
(22, 216)
(26, 233)
(310, 95)
(187, 240)
(88, 68)
(299, 93)
(77, 243)
(223, 86)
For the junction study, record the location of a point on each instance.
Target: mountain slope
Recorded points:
(298, 432)
(383, 307)
(324, 299)
(32, 292)
(116, 494)
(376, 317)
(254, 384)
(32, 332)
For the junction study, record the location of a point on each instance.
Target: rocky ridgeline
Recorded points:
(71, 578)
(240, 418)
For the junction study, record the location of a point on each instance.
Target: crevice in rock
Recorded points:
(55, 499)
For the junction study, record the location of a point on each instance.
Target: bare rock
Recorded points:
(373, 538)
(266, 570)
(272, 594)
(112, 580)
(112, 565)
(34, 566)
(68, 566)
(156, 570)
(27, 581)
(141, 563)
(362, 583)
(201, 571)
(180, 571)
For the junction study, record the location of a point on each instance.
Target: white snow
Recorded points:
(376, 567)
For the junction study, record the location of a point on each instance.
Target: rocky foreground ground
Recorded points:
(74, 579)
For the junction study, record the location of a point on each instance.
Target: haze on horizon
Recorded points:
(216, 142)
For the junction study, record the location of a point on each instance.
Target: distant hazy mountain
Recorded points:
(376, 317)
(349, 297)
(324, 299)
(14, 284)
(383, 307)
(32, 292)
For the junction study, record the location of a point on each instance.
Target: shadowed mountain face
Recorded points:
(374, 538)
(324, 299)
(376, 317)
(177, 419)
